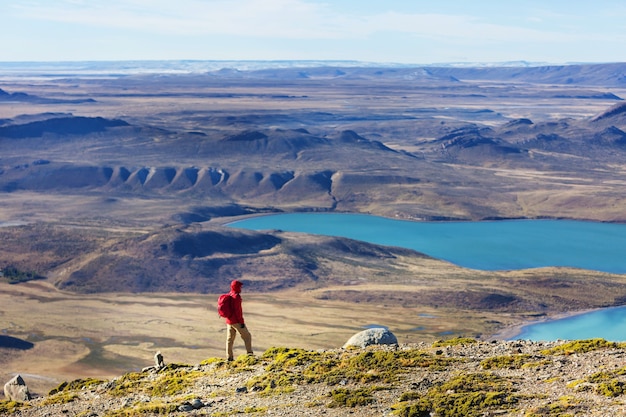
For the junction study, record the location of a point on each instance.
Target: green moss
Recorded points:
(78, 384)
(467, 395)
(60, 398)
(285, 357)
(606, 383)
(580, 346)
(565, 407)
(247, 410)
(273, 382)
(505, 362)
(152, 408)
(131, 382)
(575, 383)
(173, 382)
(418, 409)
(211, 361)
(11, 407)
(536, 364)
(600, 377)
(254, 410)
(343, 397)
(289, 367)
(410, 396)
(455, 342)
(370, 366)
(613, 388)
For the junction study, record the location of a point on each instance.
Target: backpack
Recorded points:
(225, 305)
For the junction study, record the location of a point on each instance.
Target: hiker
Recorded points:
(233, 314)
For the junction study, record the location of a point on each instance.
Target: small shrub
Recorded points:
(505, 362)
(612, 388)
(410, 396)
(565, 407)
(173, 382)
(152, 408)
(273, 383)
(11, 407)
(419, 409)
(455, 342)
(468, 395)
(128, 383)
(580, 346)
(211, 361)
(343, 397)
(575, 383)
(602, 376)
(60, 398)
(12, 275)
(285, 357)
(369, 366)
(78, 384)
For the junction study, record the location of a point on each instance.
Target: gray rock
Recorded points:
(375, 336)
(16, 389)
(197, 404)
(185, 407)
(158, 360)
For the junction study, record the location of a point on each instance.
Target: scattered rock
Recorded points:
(375, 336)
(197, 404)
(185, 407)
(158, 360)
(159, 363)
(16, 389)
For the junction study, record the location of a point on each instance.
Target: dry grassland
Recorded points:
(80, 336)
(105, 335)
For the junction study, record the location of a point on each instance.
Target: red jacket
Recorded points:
(237, 316)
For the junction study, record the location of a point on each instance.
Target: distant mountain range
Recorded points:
(605, 74)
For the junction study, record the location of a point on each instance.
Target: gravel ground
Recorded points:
(583, 378)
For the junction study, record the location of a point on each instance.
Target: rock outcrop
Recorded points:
(16, 389)
(375, 336)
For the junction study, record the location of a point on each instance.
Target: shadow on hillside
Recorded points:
(14, 343)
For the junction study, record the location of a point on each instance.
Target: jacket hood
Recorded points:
(235, 286)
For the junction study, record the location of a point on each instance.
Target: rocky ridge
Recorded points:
(447, 378)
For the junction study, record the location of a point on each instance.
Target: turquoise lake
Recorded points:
(489, 245)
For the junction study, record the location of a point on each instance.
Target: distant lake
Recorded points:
(606, 323)
(490, 245)
(486, 245)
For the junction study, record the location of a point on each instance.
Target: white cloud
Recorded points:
(330, 28)
(292, 19)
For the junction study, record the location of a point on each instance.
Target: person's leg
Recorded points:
(247, 338)
(231, 332)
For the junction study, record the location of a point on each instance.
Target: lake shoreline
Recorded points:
(485, 245)
(511, 332)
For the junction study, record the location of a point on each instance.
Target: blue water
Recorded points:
(608, 323)
(493, 245)
(496, 245)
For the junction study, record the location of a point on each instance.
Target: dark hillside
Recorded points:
(75, 125)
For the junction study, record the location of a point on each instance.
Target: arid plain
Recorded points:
(115, 188)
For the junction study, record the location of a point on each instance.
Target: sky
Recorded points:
(377, 31)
